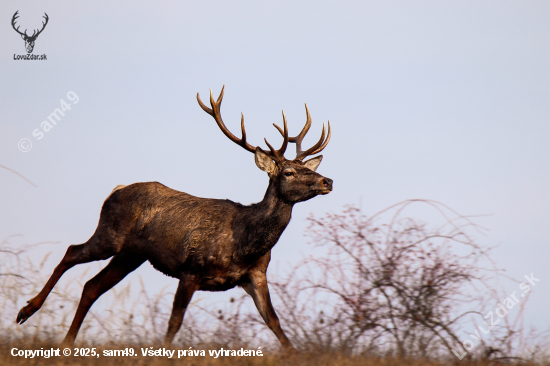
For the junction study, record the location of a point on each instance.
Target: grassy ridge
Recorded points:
(317, 358)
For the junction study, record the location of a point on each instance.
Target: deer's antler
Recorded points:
(280, 154)
(317, 148)
(43, 26)
(15, 16)
(215, 112)
(34, 34)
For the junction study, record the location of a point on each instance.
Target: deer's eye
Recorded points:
(288, 174)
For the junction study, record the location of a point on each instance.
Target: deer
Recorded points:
(29, 40)
(207, 244)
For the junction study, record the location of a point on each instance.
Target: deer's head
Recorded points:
(294, 180)
(29, 40)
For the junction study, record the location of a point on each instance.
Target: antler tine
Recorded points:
(318, 147)
(215, 112)
(280, 154)
(273, 151)
(310, 151)
(243, 132)
(204, 107)
(298, 139)
(326, 141)
(15, 16)
(43, 24)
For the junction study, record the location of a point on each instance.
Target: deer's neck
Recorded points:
(261, 225)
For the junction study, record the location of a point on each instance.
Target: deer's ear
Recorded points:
(313, 163)
(263, 161)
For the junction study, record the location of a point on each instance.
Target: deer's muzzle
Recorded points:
(325, 185)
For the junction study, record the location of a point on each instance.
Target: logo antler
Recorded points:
(29, 40)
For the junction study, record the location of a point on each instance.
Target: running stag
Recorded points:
(208, 244)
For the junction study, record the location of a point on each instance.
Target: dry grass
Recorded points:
(318, 358)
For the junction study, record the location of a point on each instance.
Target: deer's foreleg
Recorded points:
(113, 273)
(257, 288)
(184, 293)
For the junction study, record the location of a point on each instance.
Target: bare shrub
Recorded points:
(387, 283)
(390, 284)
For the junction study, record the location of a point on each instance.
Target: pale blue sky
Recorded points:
(442, 100)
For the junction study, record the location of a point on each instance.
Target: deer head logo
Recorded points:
(29, 40)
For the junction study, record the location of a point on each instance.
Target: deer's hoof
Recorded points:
(25, 313)
(67, 343)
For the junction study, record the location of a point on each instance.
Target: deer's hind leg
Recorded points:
(186, 288)
(120, 266)
(97, 248)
